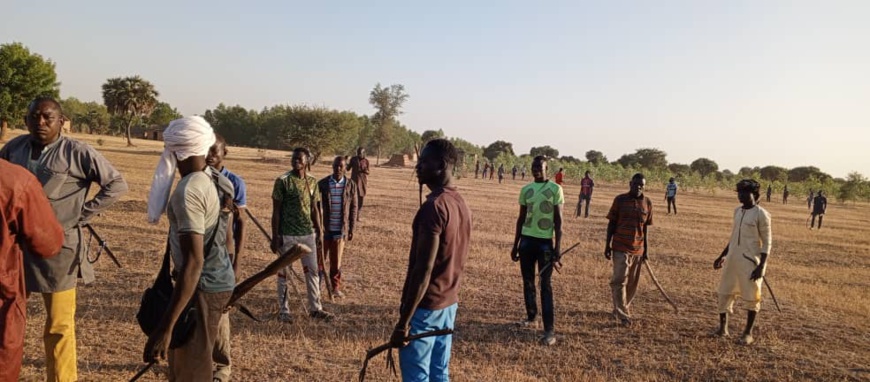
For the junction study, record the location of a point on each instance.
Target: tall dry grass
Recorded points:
(820, 277)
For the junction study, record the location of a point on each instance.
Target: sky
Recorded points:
(745, 83)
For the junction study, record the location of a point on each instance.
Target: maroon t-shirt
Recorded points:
(444, 214)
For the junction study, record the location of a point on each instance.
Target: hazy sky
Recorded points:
(740, 82)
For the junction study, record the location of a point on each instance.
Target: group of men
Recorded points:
(537, 246)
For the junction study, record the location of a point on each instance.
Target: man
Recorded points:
(491, 171)
(745, 259)
(359, 174)
(810, 200)
(295, 220)
(539, 222)
(476, 168)
(66, 168)
(785, 195)
(514, 173)
(626, 244)
(500, 173)
(523, 173)
(560, 176)
(586, 186)
(215, 159)
(27, 223)
(200, 242)
(485, 170)
(439, 249)
(671, 195)
(820, 204)
(769, 191)
(338, 198)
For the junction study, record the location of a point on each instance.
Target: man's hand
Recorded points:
(277, 243)
(717, 264)
(515, 254)
(397, 339)
(757, 273)
(157, 347)
(350, 236)
(608, 253)
(644, 256)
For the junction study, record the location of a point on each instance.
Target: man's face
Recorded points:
(338, 167)
(745, 197)
(636, 187)
(216, 155)
(298, 161)
(539, 168)
(429, 166)
(44, 122)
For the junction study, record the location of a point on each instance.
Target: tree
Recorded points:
(652, 158)
(429, 135)
(629, 160)
(321, 130)
(238, 126)
(800, 174)
(498, 147)
(745, 172)
(704, 166)
(24, 76)
(131, 98)
(570, 159)
(466, 146)
(545, 151)
(774, 173)
(81, 114)
(162, 114)
(679, 169)
(855, 187)
(596, 157)
(388, 101)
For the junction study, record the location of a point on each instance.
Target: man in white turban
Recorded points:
(198, 233)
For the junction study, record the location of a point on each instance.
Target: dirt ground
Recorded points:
(821, 279)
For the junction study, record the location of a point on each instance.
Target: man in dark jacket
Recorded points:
(339, 200)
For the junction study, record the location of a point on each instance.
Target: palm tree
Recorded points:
(130, 98)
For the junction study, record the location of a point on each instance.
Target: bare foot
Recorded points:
(722, 332)
(746, 339)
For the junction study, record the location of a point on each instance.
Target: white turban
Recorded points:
(182, 139)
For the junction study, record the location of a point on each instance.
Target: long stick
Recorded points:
(562, 254)
(269, 239)
(294, 253)
(769, 289)
(371, 353)
(143, 371)
(659, 286)
(103, 245)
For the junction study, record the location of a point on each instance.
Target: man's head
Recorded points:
(636, 186)
(217, 152)
(671, 180)
(539, 168)
(748, 191)
(560, 169)
(361, 152)
(821, 193)
(587, 173)
(299, 160)
(338, 166)
(44, 120)
(436, 162)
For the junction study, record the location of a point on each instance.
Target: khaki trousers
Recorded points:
(334, 251)
(193, 361)
(623, 284)
(221, 355)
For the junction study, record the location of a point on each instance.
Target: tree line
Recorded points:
(132, 101)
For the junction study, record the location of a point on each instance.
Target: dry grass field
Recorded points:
(821, 279)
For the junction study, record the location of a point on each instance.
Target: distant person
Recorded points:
(769, 192)
(671, 195)
(66, 168)
(295, 220)
(745, 259)
(810, 199)
(500, 173)
(514, 173)
(785, 195)
(436, 266)
(820, 204)
(586, 187)
(626, 244)
(485, 169)
(537, 242)
(523, 173)
(27, 223)
(476, 169)
(338, 198)
(560, 176)
(215, 159)
(359, 174)
(492, 171)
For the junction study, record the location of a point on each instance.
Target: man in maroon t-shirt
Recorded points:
(439, 248)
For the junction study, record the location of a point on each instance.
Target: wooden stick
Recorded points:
(659, 286)
(371, 353)
(269, 239)
(294, 253)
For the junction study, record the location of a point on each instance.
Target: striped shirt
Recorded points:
(336, 193)
(631, 216)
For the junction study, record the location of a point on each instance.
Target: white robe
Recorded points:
(750, 236)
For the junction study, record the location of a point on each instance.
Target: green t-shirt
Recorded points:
(540, 200)
(296, 199)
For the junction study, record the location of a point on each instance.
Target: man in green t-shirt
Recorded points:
(539, 222)
(295, 221)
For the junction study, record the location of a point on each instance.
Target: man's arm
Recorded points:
(352, 210)
(521, 219)
(417, 283)
(239, 235)
(557, 229)
(277, 240)
(230, 242)
(764, 232)
(192, 250)
(719, 260)
(112, 185)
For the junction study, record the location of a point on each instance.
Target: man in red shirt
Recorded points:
(586, 186)
(26, 219)
(560, 176)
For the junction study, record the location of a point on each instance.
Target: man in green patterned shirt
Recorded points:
(295, 220)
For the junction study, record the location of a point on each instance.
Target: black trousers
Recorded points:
(535, 251)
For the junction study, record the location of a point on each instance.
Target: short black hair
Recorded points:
(302, 150)
(220, 139)
(749, 185)
(638, 176)
(42, 99)
(540, 158)
(444, 149)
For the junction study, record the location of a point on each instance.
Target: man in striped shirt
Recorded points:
(671, 195)
(626, 245)
(339, 200)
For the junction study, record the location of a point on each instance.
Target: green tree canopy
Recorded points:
(803, 173)
(704, 166)
(496, 148)
(162, 114)
(24, 76)
(239, 126)
(596, 157)
(652, 158)
(429, 135)
(774, 173)
(679, 169)
(546, 151)
(130, 98)
(90, 117)
(388, 102)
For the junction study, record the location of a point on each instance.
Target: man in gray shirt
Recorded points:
(66, 168)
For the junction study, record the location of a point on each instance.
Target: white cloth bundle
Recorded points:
(182, 139)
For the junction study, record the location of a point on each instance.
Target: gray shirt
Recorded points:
(66, 168)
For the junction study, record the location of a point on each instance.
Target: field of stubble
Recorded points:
(820, 278)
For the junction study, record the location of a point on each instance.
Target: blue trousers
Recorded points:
(428, 359)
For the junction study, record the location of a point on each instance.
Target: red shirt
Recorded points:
(26, 218)
(631, 216)
(559, 176)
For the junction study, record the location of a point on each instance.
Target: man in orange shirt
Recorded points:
(26, 219)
